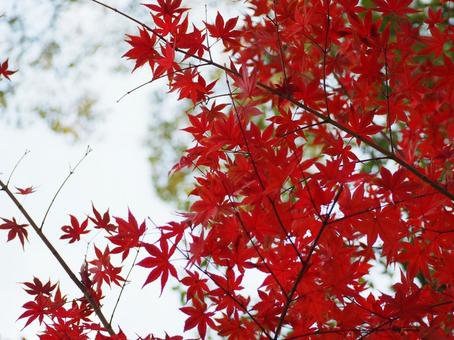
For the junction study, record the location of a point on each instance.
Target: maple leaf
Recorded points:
(74, 231)
(166, 62)
(127, 235)
(159, 261)
(246, 82)
(435, 43)
(37, 287)
(434, 17)
(226, 288)
(102, 222)
(193, 42)
(198, 316)
(36, 309)
(64, 329)
(174, 229)
(15, 229)
(103, 269)
(166, 8)
(235, 328)
(142, 50)
(41, 306)
(214, 112)
(395, 183)
(25, 191)
(197, 287)
(167, 25)
(397, 7)
(224, 31)
(192, 88)
(4, 70)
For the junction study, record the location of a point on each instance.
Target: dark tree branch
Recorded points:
(85, 291)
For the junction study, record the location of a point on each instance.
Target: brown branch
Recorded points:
(85, 291)
(262, 185)
(385, 52)
(325, 52)
(360, 212)
(305, 266)
(254, 245)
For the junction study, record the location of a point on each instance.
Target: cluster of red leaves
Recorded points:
(66, 318)
(292, 205)
(282, 186)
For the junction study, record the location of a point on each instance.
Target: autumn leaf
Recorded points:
(36, 287)
(127, 235)
(102, 269)
(142, 50)
(25, 191)
(397, 7)
(4, 70)
(15, 229)
(102, 221)
(224, 31)
(166, 8)
(198, 316)
(159, 261)
(74, 231)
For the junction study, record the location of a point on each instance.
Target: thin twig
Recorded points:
(157, 78)
(280, 48)
(71, 172)
(301, 128)
(16, 165)
(124, 284)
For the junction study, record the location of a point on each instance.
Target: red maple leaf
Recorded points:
(37, 287)
(127, 235)
(74, 231)
(397, 7)
(103, 269)
(166, 8)
(166, 62)
(4, 70)
(25, 191)
(142, 50)
(198, 316)
(197, 287)
(102, 222)
(15, 229)
(224, 31)
(36, 309)
(159, 261)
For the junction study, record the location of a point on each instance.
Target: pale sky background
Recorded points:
(115, 175)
